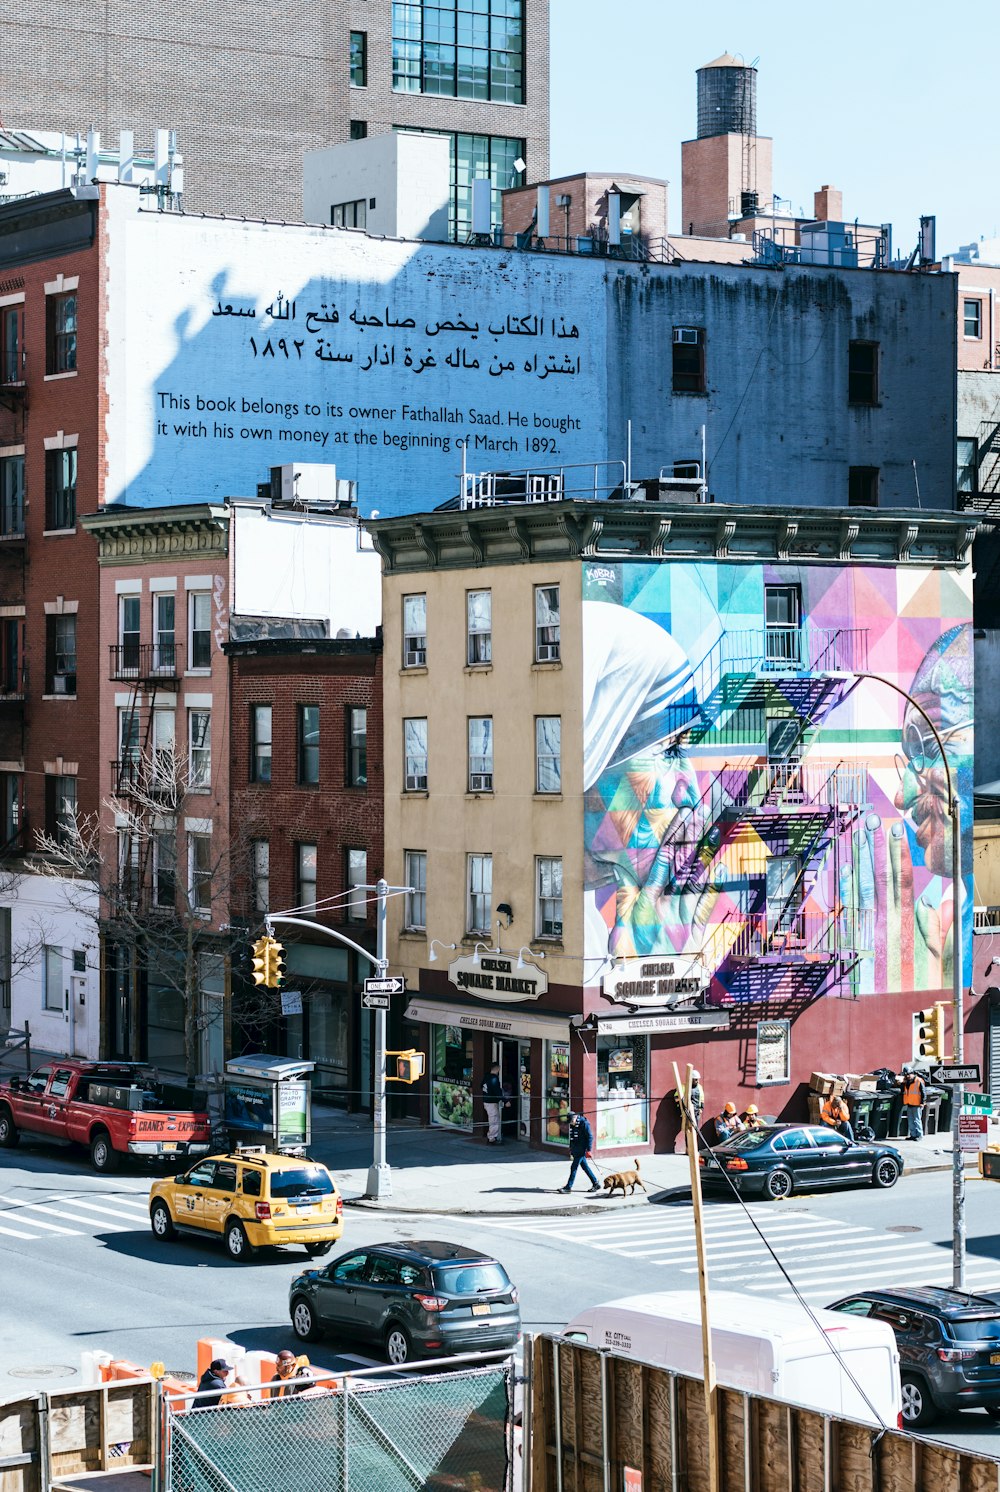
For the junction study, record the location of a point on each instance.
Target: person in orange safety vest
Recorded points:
(837, 1115)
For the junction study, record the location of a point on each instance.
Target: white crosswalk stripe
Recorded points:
(73, 1214)
(825, 1259)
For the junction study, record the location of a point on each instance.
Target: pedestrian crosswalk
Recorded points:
(824, 1259)
(72, 1213)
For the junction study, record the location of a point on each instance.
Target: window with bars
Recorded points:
(260, 743)
(546, 623)
(357, 747)
(479, 623)
(357, 880)
(199, 749)
(480, 893)
(548, 900)
(415, 874)
(548, 753)
(60, 330)
(415, 755)
(60, 488)
(480, 754)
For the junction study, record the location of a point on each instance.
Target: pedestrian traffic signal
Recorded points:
(930, 1032)
(409, 1066)
(267, 962)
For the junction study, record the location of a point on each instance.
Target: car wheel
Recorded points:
(161, 1222)
(103, 1155)
(304, 1323)
(398, 1348)
(238, 1245)
(317, 1250)
(885, 1172)
(778, 1184)
(918, 1406)
(9, 1132)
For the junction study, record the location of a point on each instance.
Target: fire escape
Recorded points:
(13, 664)
(144, 777)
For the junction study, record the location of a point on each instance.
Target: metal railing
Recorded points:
(789, 784)
(587, 480)
(634, 247)
(986, 919)
(803, 649)
(145, 660)
(780, 935)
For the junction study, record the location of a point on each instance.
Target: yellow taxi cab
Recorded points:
(251, 1199)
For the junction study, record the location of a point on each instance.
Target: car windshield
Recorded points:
(297, 1183)
(975, 1328)
(470, 1279)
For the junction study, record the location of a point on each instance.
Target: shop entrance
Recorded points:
(515, 1074)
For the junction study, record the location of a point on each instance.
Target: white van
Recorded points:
(766, 1347)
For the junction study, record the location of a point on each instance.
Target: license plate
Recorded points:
(995, 1357)
(170, 1144)
(480, 1310)
(301, 1207)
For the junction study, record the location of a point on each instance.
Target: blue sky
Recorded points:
(889, 102)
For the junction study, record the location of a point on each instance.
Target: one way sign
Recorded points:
(950, 1072)
(392, 984)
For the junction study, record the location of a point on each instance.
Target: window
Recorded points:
(128, 867)
(357, 880)
(128, 737)
(10, 807)
(225, 1177)
(862, 373)
(480, 895)
(129, 623)
(308, 730)
(199, 749)
(479, 612)
(967, 451)
(200, 624)
(782, 617)
(415, 756)
(350, 214)
(415, 875)
(251, 1182)
(546, 623)
(59, 1086)
(489, 157)
(548, 753)
(689, 360)
(305, 877)
(784, 892)
(261, 862)
(11, 345)
(548, 898)
(60, 650)
(260, 743)
(480, 754)
(862, 487)
(60, 488)
(164, 632)
(359, 129)
(359, 59)
(357, 748)
(972, 318)
(200, 872)
(165, 868)
(460, 49)
(60, 334)
(60, 808)
(11, 655)
(414, 631)
(164, 749)
(53, 977)
(11, 495)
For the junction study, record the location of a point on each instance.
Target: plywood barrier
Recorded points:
(589, 1408)
(105, 1427)
(20, 1450)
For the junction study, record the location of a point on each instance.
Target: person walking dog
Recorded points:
(581, 1148)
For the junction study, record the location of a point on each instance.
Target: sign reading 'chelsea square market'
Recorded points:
(496, 976)
(655, 981)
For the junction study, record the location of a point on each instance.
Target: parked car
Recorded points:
(782, 1158)
(251, 1199)
(416, 1298)
(949, 1346)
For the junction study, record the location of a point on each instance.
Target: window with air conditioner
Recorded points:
(547, 624)
(479, 634)
(415, 755)
(60, 649)
(414, 631)
(549, 897)
(480, 754)
(688, 360)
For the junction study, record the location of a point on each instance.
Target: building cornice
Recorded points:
(137, 535)
(519, 533)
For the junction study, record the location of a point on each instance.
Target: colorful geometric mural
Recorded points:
(752, 799)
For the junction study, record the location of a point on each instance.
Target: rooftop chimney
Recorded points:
(828, 205)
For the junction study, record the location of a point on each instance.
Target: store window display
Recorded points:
(622, 1090)
(451, 1084)
(557, 1092)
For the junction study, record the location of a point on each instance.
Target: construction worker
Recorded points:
(751, 1119)
(728, 1123)
(696, 1098)
(914, 1098)
(836, 1115)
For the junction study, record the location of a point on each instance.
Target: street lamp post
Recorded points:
(958, 993)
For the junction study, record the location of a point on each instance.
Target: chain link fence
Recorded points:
(437, 1432)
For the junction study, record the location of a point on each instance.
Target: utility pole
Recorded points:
(708, 1361)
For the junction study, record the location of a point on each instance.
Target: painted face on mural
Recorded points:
(942, 687)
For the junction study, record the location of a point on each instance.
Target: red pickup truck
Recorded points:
(113, 1108)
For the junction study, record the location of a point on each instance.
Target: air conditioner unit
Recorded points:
(416, 783)
(61, 683)
(548, 652)
(416, 657)
(480, 782)
(689, 334)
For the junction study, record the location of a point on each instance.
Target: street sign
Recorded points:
(977, 1103)
(291, 1002)
(972, 1130)
(375, 1001)
(392, 984)
(951, 1072)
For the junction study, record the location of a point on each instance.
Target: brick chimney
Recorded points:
(828, 205)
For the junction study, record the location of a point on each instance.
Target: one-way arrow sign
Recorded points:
(393, 984)
(949, 1072)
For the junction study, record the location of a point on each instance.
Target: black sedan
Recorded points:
(783, 1158)
(415, 1299)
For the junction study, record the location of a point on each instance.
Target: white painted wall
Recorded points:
(61, 913)
(407, 175)
(305, 565)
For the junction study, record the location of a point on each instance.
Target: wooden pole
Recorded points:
(708, 1362)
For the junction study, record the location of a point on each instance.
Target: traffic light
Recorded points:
(409, 1066)
(267, 962)
(930, 1032)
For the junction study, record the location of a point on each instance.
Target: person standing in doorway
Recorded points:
(581, 1148)
(493, 1098)
(914, 1098)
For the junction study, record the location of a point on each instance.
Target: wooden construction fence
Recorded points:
(47, 1437)
(594, 1414)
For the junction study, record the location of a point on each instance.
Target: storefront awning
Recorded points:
(682, 1020)
(505, 1022)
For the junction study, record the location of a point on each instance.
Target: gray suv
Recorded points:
(416, 1299)
(949, 1347)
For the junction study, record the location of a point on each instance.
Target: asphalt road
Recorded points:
(81, 1269)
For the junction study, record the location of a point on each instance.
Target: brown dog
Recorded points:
(623, 1179)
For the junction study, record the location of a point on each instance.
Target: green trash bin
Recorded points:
(883, 1114)
(860, 1105)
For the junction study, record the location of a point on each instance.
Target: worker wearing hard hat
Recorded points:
(728, 1123)
(751, 1119)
